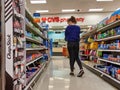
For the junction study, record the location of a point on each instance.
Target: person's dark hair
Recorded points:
(72, 19)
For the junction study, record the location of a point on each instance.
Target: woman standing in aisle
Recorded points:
(72, 36)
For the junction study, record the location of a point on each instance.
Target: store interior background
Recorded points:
(57, 29)
(54, 7)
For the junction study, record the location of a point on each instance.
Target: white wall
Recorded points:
(90, 18)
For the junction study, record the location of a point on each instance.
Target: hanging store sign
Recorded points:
(36, 14)
(59, 20)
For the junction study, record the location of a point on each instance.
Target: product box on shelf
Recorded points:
(102, 23)
(111, 70)
(94, 45)
(114, 16)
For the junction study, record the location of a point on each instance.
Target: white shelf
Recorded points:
(83, 55)
(88, 33)
(33, 40)
(109, 26)
(29, 84)
(90, 64)
(117, 63)
(32, 49)
(31, 29)
(33, 60)
(18, 15)
(109, 38)
(29, 16)
(109, 50)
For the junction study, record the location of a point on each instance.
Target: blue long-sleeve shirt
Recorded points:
(72, 33)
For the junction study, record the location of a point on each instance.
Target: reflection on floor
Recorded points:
(56, 77)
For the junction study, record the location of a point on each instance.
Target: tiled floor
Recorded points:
(56, 77)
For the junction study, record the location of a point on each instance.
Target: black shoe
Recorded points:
(80, 74)
(72, 74)
(74, 68)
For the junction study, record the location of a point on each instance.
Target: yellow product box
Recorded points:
(87, 46)
(94, 45)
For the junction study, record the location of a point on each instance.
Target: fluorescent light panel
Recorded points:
(103, 0)
(68, 10)
(117, 8)
(96, 10)
(38, 1)
(42, 11)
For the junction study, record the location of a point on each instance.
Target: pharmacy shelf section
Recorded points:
(34, 49)
(107, 27)
(32, 40)
(88, 33)
(31, 19)
(108, 50)
(104, 60)
(35, 76)
(106, 77)
(32, 61)
(28, 16)
(31, 29)
(109, 38)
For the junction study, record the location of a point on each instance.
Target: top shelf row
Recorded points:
(107, 27)
(31, 19)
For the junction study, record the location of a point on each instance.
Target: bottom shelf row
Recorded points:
(33, 72)
(110, 73)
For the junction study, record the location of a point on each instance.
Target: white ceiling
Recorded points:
(55, 6)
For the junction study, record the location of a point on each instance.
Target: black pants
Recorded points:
(73, 49)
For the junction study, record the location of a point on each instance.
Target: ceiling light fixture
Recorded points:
(38, 1)
(103, 0)
(118, 9)
(96, 10)
(68, 10)
(42, 11)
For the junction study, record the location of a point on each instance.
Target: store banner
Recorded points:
(60, 20)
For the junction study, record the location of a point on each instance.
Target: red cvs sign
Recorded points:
(59, 20)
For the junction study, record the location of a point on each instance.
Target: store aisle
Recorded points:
(56, 77)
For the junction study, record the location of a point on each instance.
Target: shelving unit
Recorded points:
(104, 60)
(109, 26)
(33, 40)
(88, 33)
(32, 61)
(15, 54)
(31, 29)
(109, 38)
(108, 78)
(108, 50)
(37, 62)
(112, 62)
(35, 76)
(34, 49)
(28, 15)
(22, 65)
